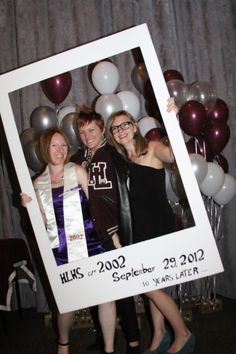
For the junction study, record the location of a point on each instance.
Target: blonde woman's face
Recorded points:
(123, 129)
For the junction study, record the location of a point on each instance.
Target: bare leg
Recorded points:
(107, 318)
(158, 322)
(167, 306)
(64, 323)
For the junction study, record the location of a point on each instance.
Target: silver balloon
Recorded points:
(42, 118)
(139, 76)
(68, 125)
(179, 90)
(32, 156)
(203, 92)
(27, 135)
(108, 104)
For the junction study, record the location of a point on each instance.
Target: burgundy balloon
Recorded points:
(222, 161)
(155, 134)
(172, 75)
(192, 118)
(217, 136)
(152, 110)
(199, 146)
(148, 92)
(151, 104)
(56, 88)
(219, 112)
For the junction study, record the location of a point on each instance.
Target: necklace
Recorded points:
(58, 181)
(89, 156)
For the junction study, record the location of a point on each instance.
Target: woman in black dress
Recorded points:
(152, 216)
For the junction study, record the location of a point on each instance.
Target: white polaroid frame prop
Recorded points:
(161, 262)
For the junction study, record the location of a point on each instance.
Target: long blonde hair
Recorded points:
(141, 144)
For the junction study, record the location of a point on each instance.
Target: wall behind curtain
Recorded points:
(196, 37)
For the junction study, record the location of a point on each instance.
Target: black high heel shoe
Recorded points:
(188, 347)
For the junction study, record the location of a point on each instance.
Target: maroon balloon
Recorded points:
(217, 136)
(148, 92)
(151, 104)
(152, 110)
(155, 134)
(172, 75)
(192, 118)
(56, 88)
(222, 162)
(219, 112)
(199, 146)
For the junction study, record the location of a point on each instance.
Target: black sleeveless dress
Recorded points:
(152, 214)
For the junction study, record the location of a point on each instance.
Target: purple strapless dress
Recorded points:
(93, 243)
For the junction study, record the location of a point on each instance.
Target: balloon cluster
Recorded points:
(44, 117)
(105, 79)
(203, 117)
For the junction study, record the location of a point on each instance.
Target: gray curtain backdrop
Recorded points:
(195, 37)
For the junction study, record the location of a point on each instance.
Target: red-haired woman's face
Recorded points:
(58, 149)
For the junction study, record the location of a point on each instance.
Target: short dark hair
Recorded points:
(45, 141)
(88, 117)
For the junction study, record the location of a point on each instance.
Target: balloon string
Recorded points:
(195, 145)
(57, 108)
(204, 149)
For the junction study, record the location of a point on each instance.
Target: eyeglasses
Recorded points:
(55, 146)
(124, 126)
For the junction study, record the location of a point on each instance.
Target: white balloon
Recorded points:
(130, 102)
(64, 111)
(227, 191)
(213, 181)
(105, 77)
(146, 124)
(199, 166)
(108, 104)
